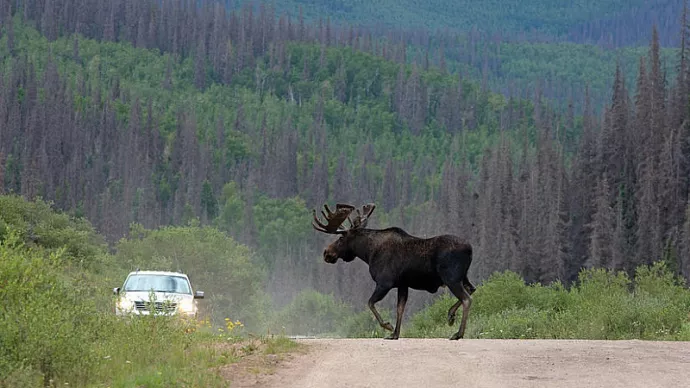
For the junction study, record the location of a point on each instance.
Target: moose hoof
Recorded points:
(451, 319)
(455, 337)
(392, 337)
(387, 326)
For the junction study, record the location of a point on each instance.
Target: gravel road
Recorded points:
(354, 363)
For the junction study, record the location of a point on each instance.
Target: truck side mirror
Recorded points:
(116, 290)
(199, 295)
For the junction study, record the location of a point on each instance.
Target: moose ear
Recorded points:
(368, 209)
(362, 217)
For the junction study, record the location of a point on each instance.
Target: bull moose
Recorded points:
(399, 260)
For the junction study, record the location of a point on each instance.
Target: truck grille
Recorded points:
(159, 306)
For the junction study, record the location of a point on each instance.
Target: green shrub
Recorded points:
(603, 304)
(664, 301)
(500, 292)
(37, 224)
(432, 318)
(312, 313)
(44, 320)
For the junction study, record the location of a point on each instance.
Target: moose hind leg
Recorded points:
(402, 300)
(379, 293)
(460, 291)
(469, 286)
(452, 311)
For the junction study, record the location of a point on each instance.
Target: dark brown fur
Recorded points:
(399, 260)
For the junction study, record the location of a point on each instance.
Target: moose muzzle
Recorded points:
(329, 256)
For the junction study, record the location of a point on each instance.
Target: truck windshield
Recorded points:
(158, 283)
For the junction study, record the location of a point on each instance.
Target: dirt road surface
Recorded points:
(421, 363)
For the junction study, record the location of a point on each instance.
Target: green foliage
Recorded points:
(282, 224)
(44, 321)
(37, 224)
(554, 17)
(563, 64)
(232, 206)
(501, 292)
(566, 64)
(208, 200)
(364, 116)
(280, 344)
(433, 316)
(215, 263)
(57, 326)
(312, 313)
(602, 305)
(155, 351)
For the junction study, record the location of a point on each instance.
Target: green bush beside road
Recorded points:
(603, 305)
(57, 324)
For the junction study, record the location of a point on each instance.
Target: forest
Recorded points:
(610, 22)
(202, 134)
(143, 116)
(166, 125)
(514, 48)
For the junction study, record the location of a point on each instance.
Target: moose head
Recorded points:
(343, 247)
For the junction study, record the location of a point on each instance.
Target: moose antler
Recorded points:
(334, 219)
(342, 212)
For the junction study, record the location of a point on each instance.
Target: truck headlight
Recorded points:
(187, 306)
(125, 304)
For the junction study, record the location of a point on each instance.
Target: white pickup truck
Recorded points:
(160, 292)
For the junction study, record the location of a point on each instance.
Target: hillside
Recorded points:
(180, 115)
(162, 135)
(560, 71)
(609, 22)
(515, 49)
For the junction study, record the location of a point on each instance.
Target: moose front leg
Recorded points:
(402, 300)
(379, 293)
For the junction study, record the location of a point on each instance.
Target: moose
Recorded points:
(399, 260)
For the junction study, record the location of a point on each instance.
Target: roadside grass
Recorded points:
(603, 305)
(280, 345)
(155, 351)
(652, 305)
(57, 328)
